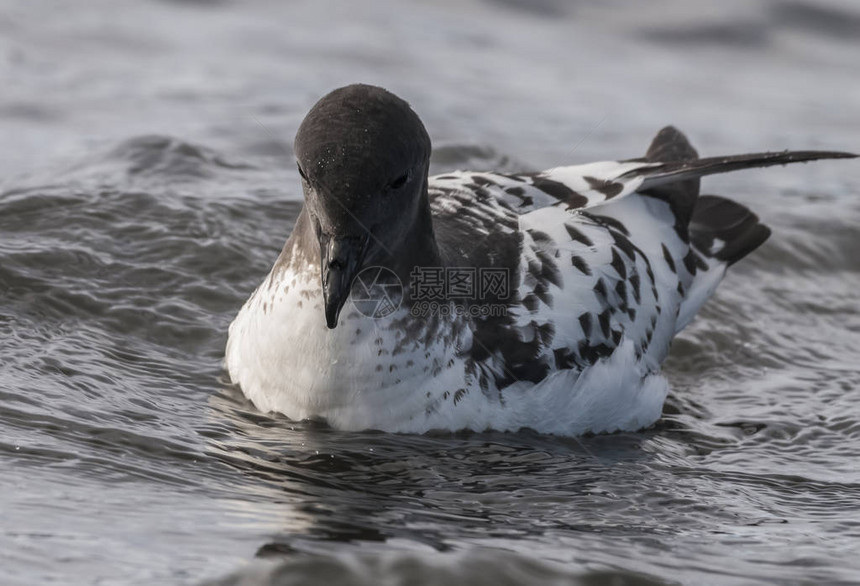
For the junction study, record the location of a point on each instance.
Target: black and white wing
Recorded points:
(599, 254)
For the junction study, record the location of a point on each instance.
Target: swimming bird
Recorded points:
(482, 300)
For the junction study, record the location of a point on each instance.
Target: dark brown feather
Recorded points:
(682, 170)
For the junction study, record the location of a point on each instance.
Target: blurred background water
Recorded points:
(147, 184)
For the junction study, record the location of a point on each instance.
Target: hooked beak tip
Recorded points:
(340, 262)
(331, 315)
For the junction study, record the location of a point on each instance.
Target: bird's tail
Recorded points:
(716, 226)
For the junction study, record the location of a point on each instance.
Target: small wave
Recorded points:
(168, 157)
(447, 157)
(739, 35)
(156, 163)
(476, 567)
(811, 17)
(541, 8)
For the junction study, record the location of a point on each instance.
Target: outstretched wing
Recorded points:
(674, 171)
(585, 186)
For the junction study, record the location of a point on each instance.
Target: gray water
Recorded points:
(147, 184)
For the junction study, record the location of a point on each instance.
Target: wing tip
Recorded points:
(682, 170)
(803, 156)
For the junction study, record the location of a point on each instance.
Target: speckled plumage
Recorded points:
(606, 261)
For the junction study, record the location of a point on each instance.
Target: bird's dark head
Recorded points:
(363, 155)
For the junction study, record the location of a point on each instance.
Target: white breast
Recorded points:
(365, 375)
(362, 374)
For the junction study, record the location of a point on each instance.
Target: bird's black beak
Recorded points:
(340, 262)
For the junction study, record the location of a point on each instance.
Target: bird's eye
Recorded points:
(399, 182)
(301, 172)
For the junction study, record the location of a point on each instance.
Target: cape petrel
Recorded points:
(483, 300)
